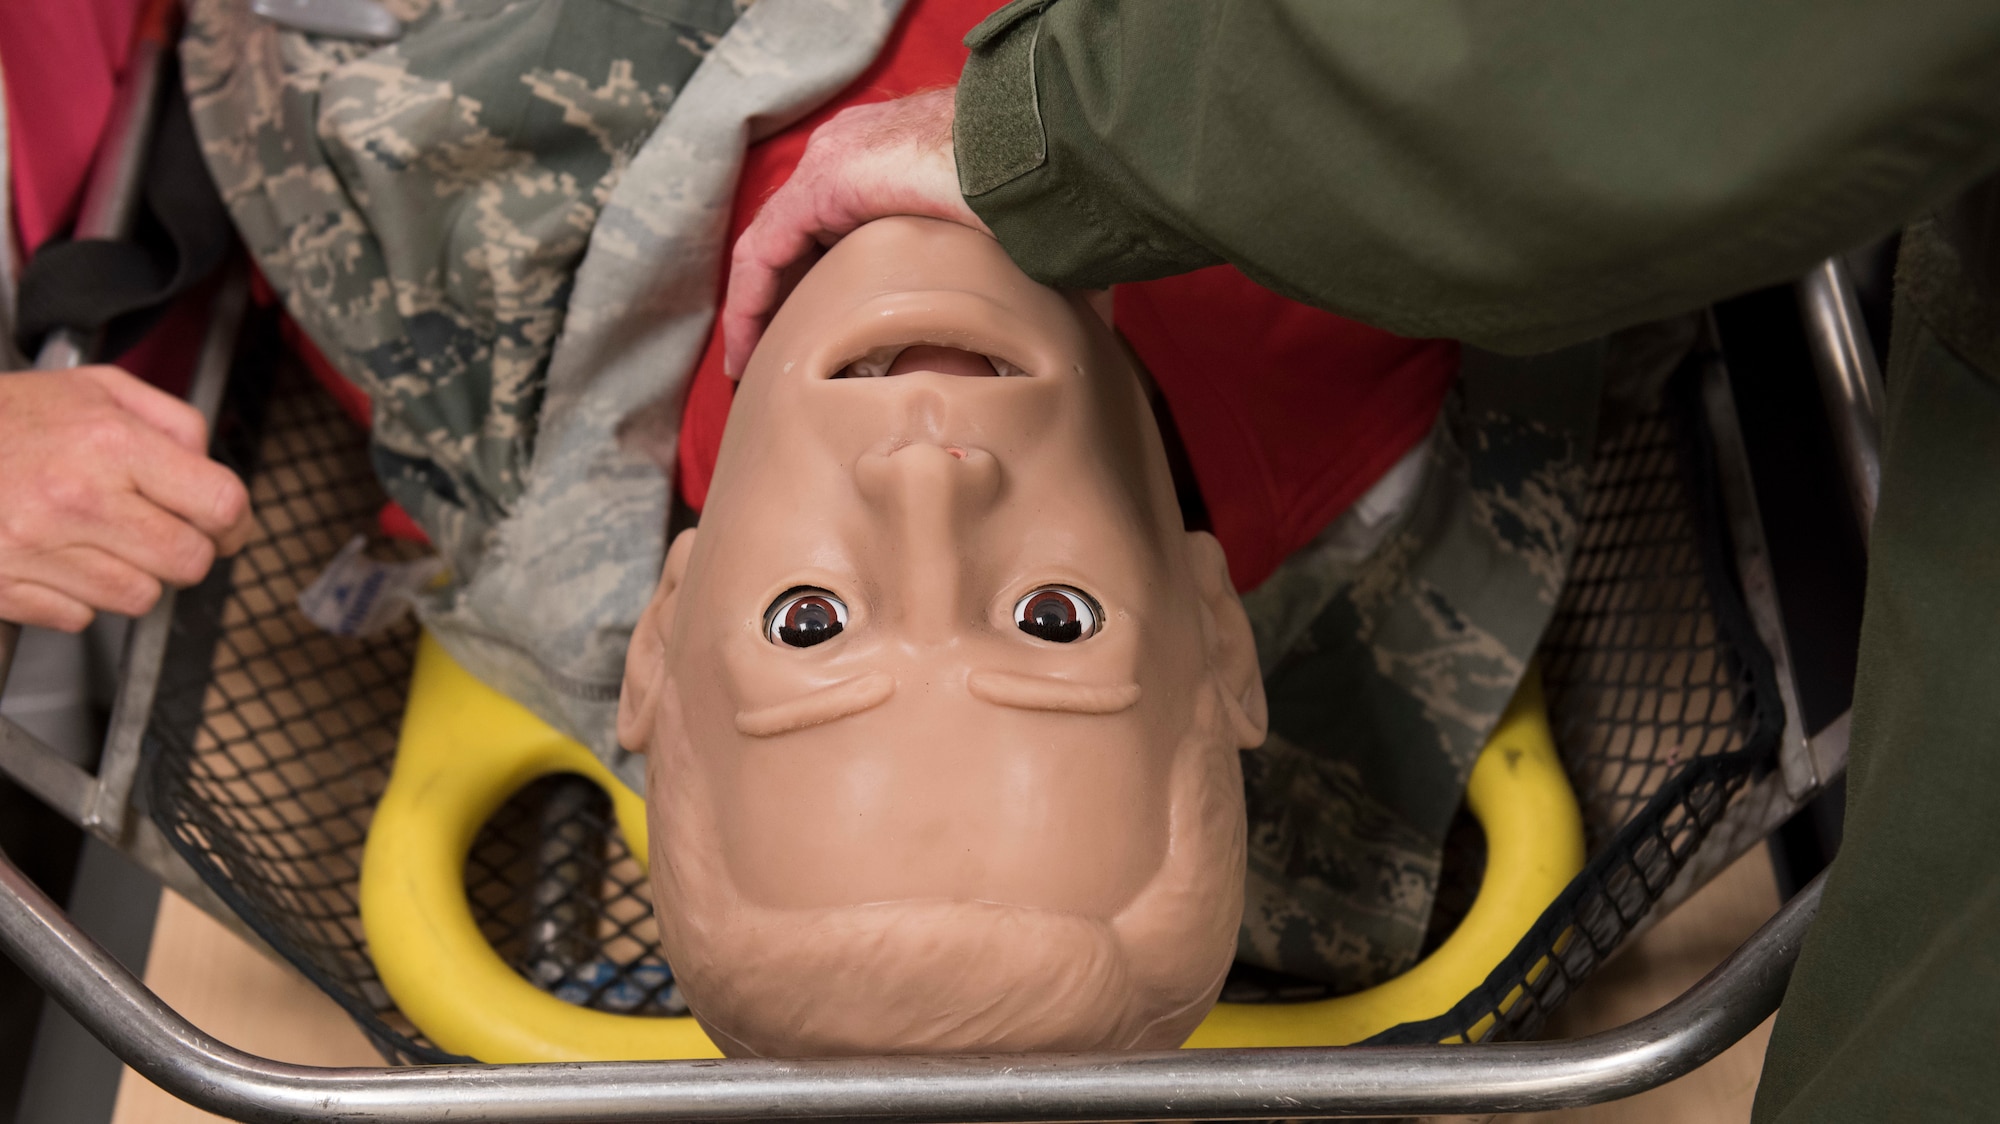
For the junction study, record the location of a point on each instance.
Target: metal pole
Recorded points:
(111, 197)
(1849, 379)
(1177, 1085)
(10, 638)
(146, 649)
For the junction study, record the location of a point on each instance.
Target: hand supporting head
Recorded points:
(943, 703)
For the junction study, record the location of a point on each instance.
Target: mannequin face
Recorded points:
(887, 817)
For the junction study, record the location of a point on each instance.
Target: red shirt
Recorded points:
(1288, 413)
(63, 59)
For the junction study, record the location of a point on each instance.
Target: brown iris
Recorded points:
(1057, 614)
(801, 618)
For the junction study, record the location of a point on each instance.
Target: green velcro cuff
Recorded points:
(1002, 21)
(997, 126)
(1948, 271)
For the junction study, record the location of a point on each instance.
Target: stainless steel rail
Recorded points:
(111, 197)
(1807, 763)
(10, 639)
(1802, 773)
(1850, 382)
(100, 802)
(1204, 1084)
(1851, 389)
(1190, 1084)
(146, 648)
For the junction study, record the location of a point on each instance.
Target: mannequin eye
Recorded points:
(1058, 614)
(805, 616)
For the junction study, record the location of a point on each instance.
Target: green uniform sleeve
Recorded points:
(1517, 173)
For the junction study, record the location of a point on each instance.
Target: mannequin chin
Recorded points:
(942, 703)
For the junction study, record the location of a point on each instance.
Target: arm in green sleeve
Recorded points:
(1517, 173)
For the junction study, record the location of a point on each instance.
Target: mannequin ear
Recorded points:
(1232, 655)
(646, 657)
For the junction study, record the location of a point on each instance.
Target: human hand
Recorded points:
(106, 491)
(867, 162)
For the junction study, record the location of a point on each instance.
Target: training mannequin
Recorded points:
(1397, 533)
(942, 704)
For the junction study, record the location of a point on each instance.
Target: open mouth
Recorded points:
(907, 359)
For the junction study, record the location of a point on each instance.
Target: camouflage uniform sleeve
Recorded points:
(423, 205)
(457, 221)
(1389, 654)
(591, 523)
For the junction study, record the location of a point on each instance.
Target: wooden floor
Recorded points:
(1658, 966)
(239, 996)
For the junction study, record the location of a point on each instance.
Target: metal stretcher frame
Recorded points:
(1206, 1084)
(101, 803)
(1191, 1084)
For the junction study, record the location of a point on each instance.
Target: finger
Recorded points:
(171, 416)
(785, 230)
(122, 524)
(189, 485)
(139, 496)
(889, 158)
(783, 281)
(153, 540)
(817, 205)
(93, 577)
(34, 604)
(231, 540)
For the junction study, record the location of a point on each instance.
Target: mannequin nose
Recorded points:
(930, 499)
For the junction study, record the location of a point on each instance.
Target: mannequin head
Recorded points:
(887, 816)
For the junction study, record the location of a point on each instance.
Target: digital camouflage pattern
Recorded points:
(1386, 673)
(507, 228)
(424, 218)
